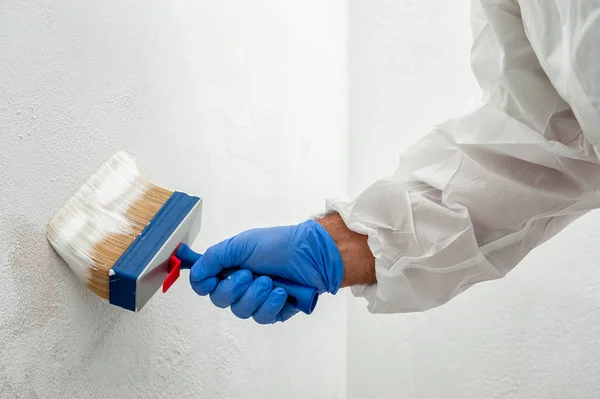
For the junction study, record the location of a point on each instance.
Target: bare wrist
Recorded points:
(359, 262)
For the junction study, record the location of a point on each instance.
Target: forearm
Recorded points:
(359, 262)
(472, 212)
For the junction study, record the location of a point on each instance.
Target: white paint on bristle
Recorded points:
(115, 185)
(96, 211)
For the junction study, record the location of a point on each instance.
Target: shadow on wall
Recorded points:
(55, 325)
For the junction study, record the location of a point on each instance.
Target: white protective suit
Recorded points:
(471, 199)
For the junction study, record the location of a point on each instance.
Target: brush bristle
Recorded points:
(99, 223)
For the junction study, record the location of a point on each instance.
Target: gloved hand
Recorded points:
(304, 253)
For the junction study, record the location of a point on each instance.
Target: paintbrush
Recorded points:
(125, 237)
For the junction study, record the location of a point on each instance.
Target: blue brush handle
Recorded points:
(301, 297)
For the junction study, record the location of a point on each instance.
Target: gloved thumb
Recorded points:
(216, 258)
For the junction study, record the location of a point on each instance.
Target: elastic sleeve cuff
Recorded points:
(391, 293)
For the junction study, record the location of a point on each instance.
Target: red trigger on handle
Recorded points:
(174, 271)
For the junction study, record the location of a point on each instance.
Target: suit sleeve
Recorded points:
(472, 198)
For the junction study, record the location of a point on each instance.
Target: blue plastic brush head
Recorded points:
(143, 267)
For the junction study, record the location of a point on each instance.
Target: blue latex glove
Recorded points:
(303, 253)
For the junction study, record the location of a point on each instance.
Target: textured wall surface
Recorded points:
(242, 103)
(532, 335)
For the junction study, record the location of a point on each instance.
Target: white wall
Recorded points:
(534, 334)
(242, 103)
(253, 97)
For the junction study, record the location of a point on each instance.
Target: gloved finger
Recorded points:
(267, 312)
(231, 289)
(204, 287)
(237, 250)
(206, 267)
(287, 312)
(254, 296)
(232, 252)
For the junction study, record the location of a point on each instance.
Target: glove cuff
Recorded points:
(329, 257)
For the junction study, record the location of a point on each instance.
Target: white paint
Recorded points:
(242, 103)
(117, 180)
(531, 335)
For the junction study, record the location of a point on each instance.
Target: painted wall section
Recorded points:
(242, 103)
(531, 335)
